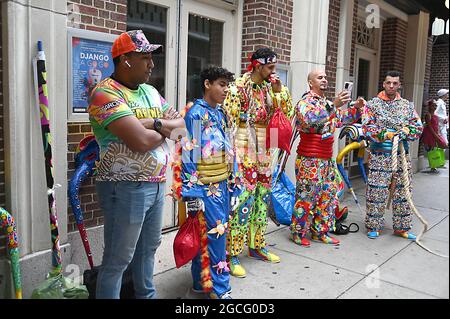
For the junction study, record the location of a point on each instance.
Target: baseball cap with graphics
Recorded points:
(132, 41)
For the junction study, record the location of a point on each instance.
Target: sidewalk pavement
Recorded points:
(360, 268)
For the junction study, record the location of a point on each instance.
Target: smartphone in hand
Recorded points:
(348, 86)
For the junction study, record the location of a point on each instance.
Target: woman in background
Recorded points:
(430, 135)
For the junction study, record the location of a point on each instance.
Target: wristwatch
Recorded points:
(157, 124)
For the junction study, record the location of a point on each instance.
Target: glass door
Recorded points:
(158, 20)
(363, 78)
(366, 86)
(205, 37)
(208, 37)
(194, 35)
(366, 73)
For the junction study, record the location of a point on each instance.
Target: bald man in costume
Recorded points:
(317, 187)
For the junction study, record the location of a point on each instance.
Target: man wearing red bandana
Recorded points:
(317, 186)
(250, 104)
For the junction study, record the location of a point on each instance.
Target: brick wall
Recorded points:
(427, 77)
(436, 75)
(267, 23)
(426, 85)
(393, 47)
(332, 45)
(108, 16)
(355, 22)
(102, 16)
(439, 69)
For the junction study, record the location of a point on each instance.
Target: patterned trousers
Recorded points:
(378, 189)
(248, 222)
(316, 195)
(216, 213)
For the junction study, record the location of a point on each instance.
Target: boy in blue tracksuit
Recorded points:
(205, 182)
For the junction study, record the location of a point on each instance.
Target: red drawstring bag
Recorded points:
(187, 241)
(280, 122)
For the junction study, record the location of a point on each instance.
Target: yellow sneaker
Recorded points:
(236, 269)
(264, 255)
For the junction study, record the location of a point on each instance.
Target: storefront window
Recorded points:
(152, 20)
(204, 49)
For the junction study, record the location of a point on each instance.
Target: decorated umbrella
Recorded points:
(41, 74)
(85, 159)
(353, 131)
(8, 225)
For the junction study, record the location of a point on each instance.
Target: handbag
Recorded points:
(280, 122)
(436, 157)
(187, 241)
(342, 229)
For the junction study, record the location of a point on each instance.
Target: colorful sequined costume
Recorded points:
(205, 174)
(315, 169)
(383, 115)
(249, 107)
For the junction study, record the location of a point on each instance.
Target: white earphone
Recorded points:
(126, 62)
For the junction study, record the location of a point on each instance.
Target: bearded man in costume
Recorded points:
(250, 104)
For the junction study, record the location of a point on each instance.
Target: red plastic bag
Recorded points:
(187, 241)
(282, 124)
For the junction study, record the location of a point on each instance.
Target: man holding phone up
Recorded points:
(250, 104)
(316, 191)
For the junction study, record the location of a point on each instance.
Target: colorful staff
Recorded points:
(85, 161)
(353, 132)
(176, 165)
(177, 184)
(47, 140)
(8, 225)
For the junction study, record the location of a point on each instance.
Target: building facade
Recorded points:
(353, 40)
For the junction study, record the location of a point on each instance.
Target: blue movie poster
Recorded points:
(91, 62)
